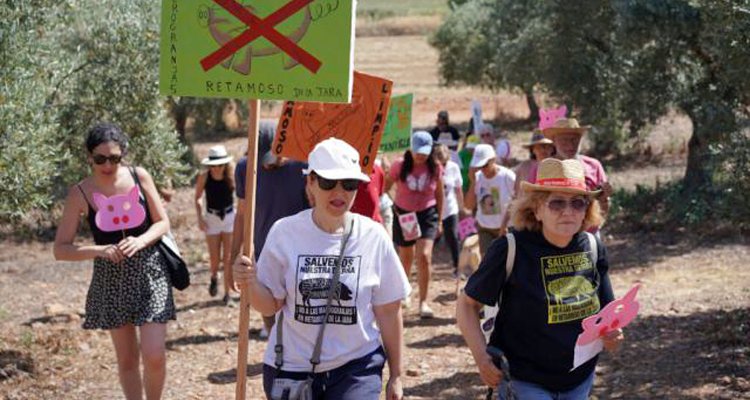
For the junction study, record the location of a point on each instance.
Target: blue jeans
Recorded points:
(359, 379)
(531, 391)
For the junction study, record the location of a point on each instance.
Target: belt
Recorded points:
(220, 213)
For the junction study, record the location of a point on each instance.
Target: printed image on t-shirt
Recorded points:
(417, 183)
(570, 281)
(489, 200)
(314, 279)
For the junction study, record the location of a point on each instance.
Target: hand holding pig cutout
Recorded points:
(614, 316)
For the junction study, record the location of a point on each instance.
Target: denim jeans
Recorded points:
(359, 379)
(531, 391)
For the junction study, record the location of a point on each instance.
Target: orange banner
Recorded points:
(360, 123)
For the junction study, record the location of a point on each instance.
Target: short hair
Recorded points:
(523, 211)
(105, 132)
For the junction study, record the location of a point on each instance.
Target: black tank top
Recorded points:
(101, 237)
(218, 194)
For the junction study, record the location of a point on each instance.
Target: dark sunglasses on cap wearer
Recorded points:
(349, 185)
(100, 159)
(577, 204)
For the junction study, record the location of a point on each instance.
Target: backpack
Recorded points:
(489, 313)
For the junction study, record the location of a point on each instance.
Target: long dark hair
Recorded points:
(408, 165)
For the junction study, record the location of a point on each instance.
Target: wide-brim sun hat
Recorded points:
(555, 175)
(335, 159)
(482, 154)
(217, 155)
(565, 125)
(537, 138)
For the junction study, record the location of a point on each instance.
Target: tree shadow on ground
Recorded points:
(632, 250)
(439, 341)
(201, 305)
(429, 322)
(230, 375)
(459, 386)
(198, 339)
(663, 356)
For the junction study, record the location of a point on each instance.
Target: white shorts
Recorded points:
(217, 226)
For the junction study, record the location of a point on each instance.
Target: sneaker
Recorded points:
(263, 332)
(425, 312)
(213, 287)
(406, 303)
(227, 300)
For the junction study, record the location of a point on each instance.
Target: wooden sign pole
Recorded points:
(247, 245)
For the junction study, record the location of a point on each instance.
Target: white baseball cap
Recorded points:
(482, 153)
(335, 159)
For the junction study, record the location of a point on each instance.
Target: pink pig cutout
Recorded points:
(548, 116)
(613, 316)
(466, 228)
(119, 212)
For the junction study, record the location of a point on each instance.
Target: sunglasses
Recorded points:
(100, 159)
(559, 205)
(349, 185)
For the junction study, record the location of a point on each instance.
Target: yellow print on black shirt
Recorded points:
(571, 287)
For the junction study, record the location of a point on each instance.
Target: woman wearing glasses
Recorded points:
(218, 221)
(294, 276)
(559, 277)
(130, 289)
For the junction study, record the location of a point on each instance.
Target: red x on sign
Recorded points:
(262, 27)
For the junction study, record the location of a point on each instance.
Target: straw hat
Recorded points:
(564, 125)
(537, 138)
(217, 155)
(555, 175)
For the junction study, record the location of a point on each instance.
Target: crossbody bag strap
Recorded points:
(315, 360)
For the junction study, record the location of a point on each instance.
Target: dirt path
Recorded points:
(690, 342)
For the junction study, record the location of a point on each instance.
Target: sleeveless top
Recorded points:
(218, 194)
(101, 237)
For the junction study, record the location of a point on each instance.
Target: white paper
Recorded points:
(586, 352)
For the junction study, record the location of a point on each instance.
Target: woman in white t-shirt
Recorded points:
(490, 192)
(454, 200)
(293, 276)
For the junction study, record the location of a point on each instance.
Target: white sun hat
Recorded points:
(482, 153)
(217, 155)
(335, 159)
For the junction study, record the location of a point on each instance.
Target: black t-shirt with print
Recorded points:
(548, 294)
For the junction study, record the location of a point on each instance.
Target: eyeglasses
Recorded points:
(559, 205)
(349, 185)
(100, 159)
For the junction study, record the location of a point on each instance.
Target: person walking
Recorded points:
(279, 193)
(418, 207)
(130, 294)
(453, 202)
(336, 283)
(489, 195)
(558, 277)
(216, 219)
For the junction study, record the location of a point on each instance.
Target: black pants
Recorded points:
(450, 231)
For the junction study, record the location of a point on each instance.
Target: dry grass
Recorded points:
(398, 25)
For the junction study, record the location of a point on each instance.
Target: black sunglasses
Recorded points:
(349, 185)
(577, 204)
(100, 159)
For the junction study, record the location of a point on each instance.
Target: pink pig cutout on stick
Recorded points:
(466, 228)
(548, 116)
(119, 212)
(613, 316)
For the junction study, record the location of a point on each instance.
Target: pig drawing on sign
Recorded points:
(317, 288)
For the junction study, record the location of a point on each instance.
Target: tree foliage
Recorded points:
(66, 65)
(622, 63)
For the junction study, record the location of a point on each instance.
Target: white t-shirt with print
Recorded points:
(493, 197)
(451, 180)
(296, 265)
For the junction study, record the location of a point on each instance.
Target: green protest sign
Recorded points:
(269, 49)
(397, 133)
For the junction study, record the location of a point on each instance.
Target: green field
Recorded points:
(389, 8)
